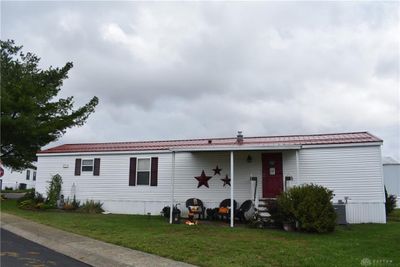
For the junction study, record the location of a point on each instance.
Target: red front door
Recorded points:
(272, 174)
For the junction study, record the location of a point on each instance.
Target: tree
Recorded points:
(31, 117)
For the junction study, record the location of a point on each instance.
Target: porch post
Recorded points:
(172, 187)
(232, 197)
(297, 167)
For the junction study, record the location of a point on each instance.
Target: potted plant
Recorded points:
(289, 224)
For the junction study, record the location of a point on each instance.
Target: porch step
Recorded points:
(262, 208)
(265, 205)
(264, 214)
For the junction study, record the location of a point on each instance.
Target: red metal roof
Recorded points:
(315, 139)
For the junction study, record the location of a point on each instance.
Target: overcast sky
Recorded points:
(188, 70)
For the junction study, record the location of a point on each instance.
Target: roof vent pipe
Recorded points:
(239, 137)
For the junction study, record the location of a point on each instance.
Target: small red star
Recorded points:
(226, 180)
(217, 170)
(203, 179)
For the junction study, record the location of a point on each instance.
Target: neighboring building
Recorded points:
(17, 179)
(143, 177)
(391, 175)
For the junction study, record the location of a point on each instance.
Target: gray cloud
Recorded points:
(183, 70)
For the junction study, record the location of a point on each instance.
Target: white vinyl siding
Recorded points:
(391, 174)
(14, 178)
(348, 171)
(352, 172)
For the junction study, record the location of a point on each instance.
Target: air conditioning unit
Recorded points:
(340, 210)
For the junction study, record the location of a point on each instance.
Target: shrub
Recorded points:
(27, 204)
(91, 206)
(309, 206)
(76, 204)
(54, 190)
(31, 200)
(28, 195)
(71, 204)
(390, 202)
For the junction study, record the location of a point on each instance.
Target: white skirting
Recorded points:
(366, 212)
(355, 212)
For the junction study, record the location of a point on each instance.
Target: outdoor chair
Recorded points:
(224, 208)
(195, 206)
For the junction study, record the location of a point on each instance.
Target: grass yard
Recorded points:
(211, 245)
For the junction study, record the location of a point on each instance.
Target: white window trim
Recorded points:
(137, 170)
(28, 175)
(82, 171)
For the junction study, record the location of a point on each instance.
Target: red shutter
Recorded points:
(132, 172)
(96, 169)
(78, 167)
(154, 172)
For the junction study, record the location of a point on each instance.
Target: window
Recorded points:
(87, 165)
(34, 176)
(143, 172)
(28, 174)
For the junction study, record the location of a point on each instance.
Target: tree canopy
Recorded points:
(31, 116)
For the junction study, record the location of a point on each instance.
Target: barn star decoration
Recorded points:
(217, 170)
(203, 179)
(226, 180)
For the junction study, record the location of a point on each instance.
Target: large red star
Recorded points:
(226, 180)
(203, 179)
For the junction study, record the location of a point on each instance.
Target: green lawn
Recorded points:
(207, 245)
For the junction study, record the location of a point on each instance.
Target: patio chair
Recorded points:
(224, 208)
(245, 207)
(195, 206)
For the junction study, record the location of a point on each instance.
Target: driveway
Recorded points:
(17, 251)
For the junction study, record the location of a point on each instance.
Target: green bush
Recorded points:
(54, 190)
(27, 204)
(28, 195)
(31, 200)
(309, 206)
(91, 206)
(390, 204)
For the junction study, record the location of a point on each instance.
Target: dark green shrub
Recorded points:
(91, 206)
(310, 206)
(54, 190)
(390, 204)
(28, 195)
(31, 200)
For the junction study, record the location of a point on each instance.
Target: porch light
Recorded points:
(249, 159)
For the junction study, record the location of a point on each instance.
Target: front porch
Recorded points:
(253, 174)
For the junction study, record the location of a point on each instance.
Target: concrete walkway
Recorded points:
(87, 250)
